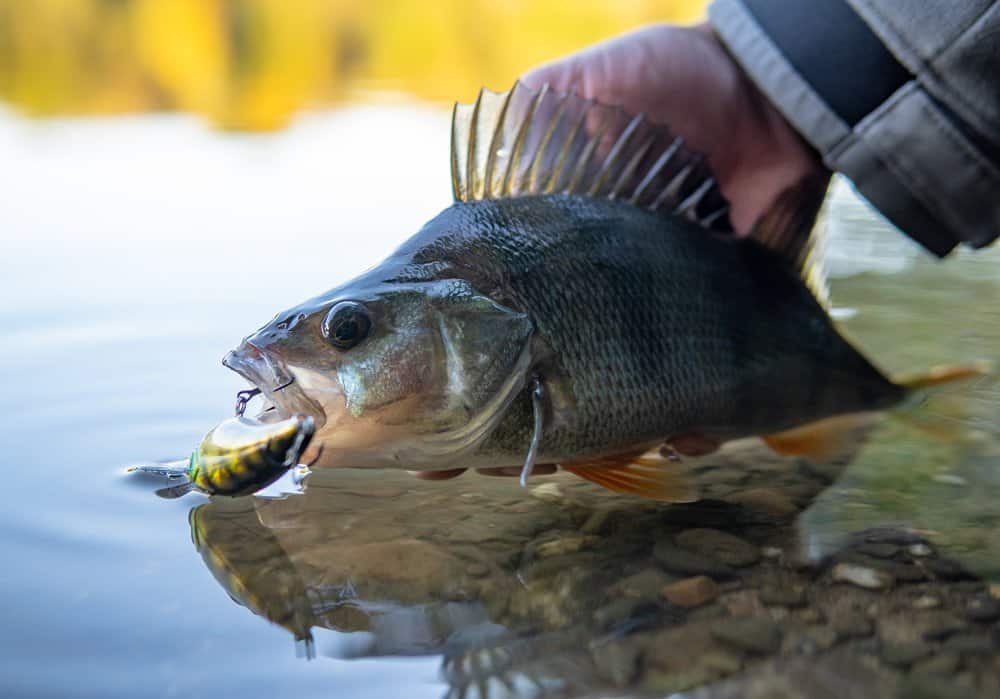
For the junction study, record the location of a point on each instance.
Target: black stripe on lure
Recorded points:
(238, 457)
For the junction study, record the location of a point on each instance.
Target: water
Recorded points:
(135, 252)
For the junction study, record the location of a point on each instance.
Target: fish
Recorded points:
(239, 456)
(583, 302)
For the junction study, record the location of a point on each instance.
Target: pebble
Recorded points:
(678, 560)
(852, 625)
(878, 550)
(791, 596)
(616, 661)
(743, 603)
(984, 610)
(969, 644)
(769, 502)
(868, 578)
(772, 552)
(643, 585)
(617, 611)
(720, 545)
(940, 664)
(945, 569)
(816, 639)
(548, 492)
(942, 628)
(596, 522)
(691, 592)
(930, 687)
(756, 636)
(477, 569)
(721, 662)
(810, 616)
(905, 653)
(570, 543)
(919, 550)
(926, 602)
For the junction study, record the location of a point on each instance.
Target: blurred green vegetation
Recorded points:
(251, 64)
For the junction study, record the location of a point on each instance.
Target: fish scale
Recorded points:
(654, 328)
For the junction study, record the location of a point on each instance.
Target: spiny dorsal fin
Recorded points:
(791, 228)
(526, 142)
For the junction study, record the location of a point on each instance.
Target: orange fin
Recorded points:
(945, 374)
(941, 414)
(823, 440)
(650, 474)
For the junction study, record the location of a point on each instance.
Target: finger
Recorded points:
(515, 471)
(437, 475)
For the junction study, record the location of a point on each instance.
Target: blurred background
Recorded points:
(252, 64)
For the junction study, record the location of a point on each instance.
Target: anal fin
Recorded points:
(825, 439)
(649, 474)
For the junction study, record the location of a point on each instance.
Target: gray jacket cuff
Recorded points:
(908, 155)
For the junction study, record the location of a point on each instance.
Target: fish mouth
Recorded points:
(275, 381)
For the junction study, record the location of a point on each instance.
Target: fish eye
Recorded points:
(347, 324)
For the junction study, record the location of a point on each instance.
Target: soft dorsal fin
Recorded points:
(527, 142)
(792, 228)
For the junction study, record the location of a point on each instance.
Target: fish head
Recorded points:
(410, 374)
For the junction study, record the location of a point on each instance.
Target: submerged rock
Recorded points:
(904, 654)
(679, 560)
(984, 610)
(758, 636)
(719, 545)
(691, 592)
(868, 578)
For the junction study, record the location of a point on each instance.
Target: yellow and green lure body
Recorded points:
(239, 457)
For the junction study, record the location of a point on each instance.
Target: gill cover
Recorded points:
(487, 351)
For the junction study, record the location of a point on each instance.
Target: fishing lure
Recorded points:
(238, 457)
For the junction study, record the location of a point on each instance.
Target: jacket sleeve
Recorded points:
(901, 96)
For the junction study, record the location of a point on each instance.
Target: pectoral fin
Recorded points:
(823, 440)
(648, 474)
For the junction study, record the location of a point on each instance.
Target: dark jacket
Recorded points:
(901, 96)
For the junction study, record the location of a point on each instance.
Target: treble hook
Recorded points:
(244, 397)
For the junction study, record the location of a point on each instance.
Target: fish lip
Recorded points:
(275, 380)
(258, 367)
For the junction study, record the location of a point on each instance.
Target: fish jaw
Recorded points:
(275, 380)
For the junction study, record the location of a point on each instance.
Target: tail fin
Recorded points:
(928, 409)
(934, 410)
(945, 374)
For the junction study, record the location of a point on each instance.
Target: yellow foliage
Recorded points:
(251, 64)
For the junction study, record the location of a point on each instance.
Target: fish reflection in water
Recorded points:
(518, 593)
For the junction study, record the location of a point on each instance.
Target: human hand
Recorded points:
(684, 78)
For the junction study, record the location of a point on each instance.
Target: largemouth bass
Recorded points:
(582, 304)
